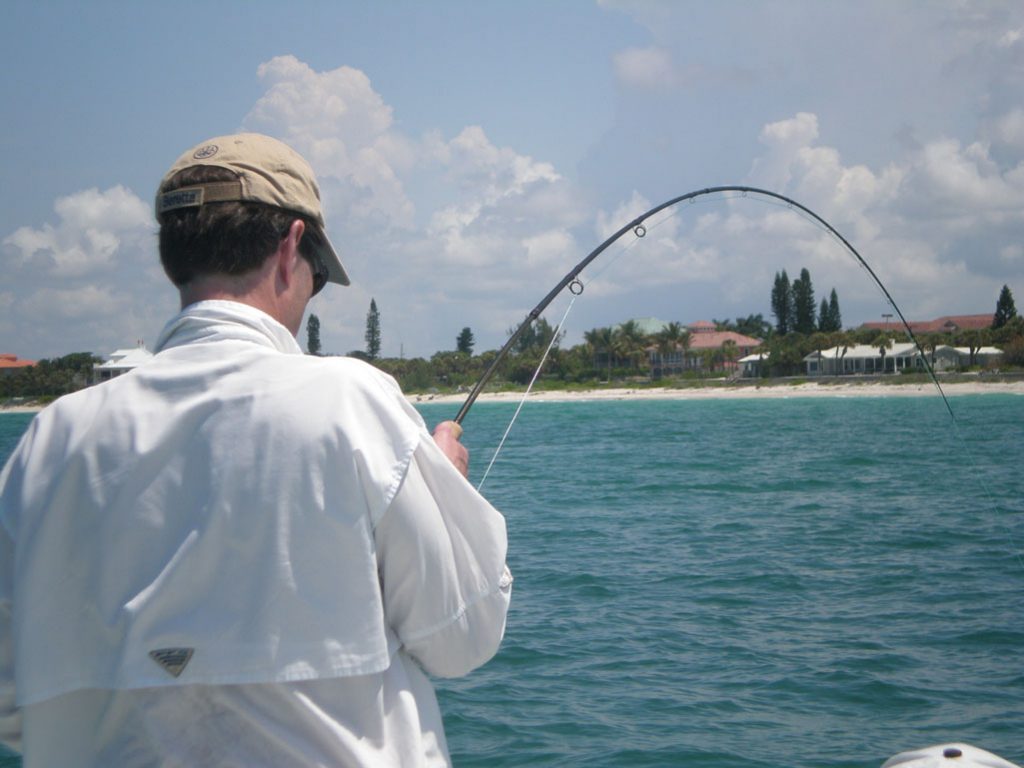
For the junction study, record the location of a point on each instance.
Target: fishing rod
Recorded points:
(572, 280)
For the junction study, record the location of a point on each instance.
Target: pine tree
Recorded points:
(829, 319)
(835, 318)
(803, 304)
(464, 342)
(782, 303)
(372, 331)
(1005, 309)
(313, 335)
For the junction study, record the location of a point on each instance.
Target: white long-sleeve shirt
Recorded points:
(239, 555)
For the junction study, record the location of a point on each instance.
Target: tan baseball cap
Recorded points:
(269, 171)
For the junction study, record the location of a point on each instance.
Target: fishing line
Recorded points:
(576, 292)
(529, 387)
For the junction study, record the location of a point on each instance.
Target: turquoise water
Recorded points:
(800, 582)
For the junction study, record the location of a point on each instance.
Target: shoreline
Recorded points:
(730, 392)
(753, 391)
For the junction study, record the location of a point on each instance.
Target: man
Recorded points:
(238, 554)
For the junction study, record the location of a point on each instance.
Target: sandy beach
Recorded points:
(20, 408)
(740, 391)
(712, 392)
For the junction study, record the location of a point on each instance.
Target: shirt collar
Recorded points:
(217, 320)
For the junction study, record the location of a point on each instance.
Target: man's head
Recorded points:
(226, 204)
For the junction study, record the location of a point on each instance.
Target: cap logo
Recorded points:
(190, 197)
(205, 152)
(173, 660)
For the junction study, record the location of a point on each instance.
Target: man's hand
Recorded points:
(446, 435)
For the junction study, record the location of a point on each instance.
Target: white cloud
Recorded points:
(608, 224)
(962, 187)
(509, 211)
(1008, 130)
(455, 227)
(494, 172)
(940, 226)
(92, 226)
(488, 221)
(1010, 38)
(644, 67)
(548, 247)
(488, 212)
(345, 130)
(88, 302)
(909, 218)
(1012, 254)
(784, 139)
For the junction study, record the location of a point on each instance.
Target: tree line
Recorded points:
(625, 352)
(622, 352)
(49, 378)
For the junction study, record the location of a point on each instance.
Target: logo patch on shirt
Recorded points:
(173, 660)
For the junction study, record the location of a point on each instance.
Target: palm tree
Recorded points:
(631, 342)
(841, 341)
(669, 339)
(819, 341)
(601, 341)
(729, 350)
(974, 340)
(882, 342)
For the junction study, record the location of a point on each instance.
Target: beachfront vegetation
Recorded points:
(608, 356)
(622, 355)
(613, 355)
(48, 379)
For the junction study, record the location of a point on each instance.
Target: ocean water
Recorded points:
(798, 582)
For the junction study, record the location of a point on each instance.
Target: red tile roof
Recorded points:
(8, 360)
(715, 339)
(939, 325)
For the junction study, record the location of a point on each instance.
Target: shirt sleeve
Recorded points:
(441, 554)
(10, 715)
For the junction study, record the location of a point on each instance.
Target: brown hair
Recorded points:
(229, 238)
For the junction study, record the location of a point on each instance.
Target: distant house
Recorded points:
(898, 357)
(120, 361)
(708, 349)
(947, 324)
(10, 364)
(752, 365)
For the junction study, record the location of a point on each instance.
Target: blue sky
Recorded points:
(471, 152)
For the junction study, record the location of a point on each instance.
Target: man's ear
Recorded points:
(288, 252)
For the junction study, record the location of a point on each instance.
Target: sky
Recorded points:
(470, 153)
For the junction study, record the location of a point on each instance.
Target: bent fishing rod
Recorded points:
(572, 280)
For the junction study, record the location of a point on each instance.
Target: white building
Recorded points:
(894, 358)
(873, 359)
(120, 361)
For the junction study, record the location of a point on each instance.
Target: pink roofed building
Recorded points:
(707, 349)
(10, 364)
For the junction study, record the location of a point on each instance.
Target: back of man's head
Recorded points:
(225, 204)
